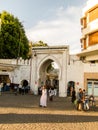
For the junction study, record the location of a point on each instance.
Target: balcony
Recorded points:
(91, 27)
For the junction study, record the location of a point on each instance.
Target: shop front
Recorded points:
(92, 87)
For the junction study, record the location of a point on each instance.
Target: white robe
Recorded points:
(43, 99)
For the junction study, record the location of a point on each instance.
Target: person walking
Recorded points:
(51, 94)
(73, 95)
(20, 88)
(43, 98)
(80, 100)
(0, 88)
(15, 89)
(85, 100)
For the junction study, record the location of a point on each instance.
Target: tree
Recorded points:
(13, 41)
(39, 43)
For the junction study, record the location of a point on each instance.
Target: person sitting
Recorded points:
(92, 100)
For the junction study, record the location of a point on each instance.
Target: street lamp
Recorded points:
(18, 55)
(0, 24)
(20, 35)
(19, 43)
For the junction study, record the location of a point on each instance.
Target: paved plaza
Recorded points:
(22, 112)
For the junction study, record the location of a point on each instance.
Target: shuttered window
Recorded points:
(93, 38)
(93, 14)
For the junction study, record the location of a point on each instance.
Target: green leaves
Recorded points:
(39, 43)
(13, 41)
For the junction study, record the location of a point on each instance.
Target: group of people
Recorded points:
(4, 86)
(82, 100)
(15, 88)
(43, 99)
(21, 89)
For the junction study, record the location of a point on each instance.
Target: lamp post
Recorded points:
(20, 40)
(19, 43)
(18, 53)
(0, 38)
(18, 50)
(20, 35)
(0, 24)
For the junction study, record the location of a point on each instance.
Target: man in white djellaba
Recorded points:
(43, 98)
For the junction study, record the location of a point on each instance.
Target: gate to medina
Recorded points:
(42, 57)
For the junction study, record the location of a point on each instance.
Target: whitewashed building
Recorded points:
(70, 68)
(89, 46)
(80, 70)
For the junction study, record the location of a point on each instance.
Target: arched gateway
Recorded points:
(41, 59)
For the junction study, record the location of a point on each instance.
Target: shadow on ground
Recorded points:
(45, 118)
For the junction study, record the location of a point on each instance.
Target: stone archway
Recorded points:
(46, 77)
(41, 58)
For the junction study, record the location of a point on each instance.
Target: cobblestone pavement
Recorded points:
(22, 112)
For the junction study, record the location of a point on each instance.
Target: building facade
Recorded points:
(89, 23)
(79, 71)
(14, 71)
(68, 73)
(89, 46)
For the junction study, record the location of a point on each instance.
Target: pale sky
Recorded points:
(55, 22)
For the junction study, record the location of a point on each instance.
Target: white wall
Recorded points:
(75, 71)
(21, 73)
(21, 69)
(91, 68)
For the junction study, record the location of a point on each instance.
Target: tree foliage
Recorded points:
(13, 41)
(39, 43)
(50, 68)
